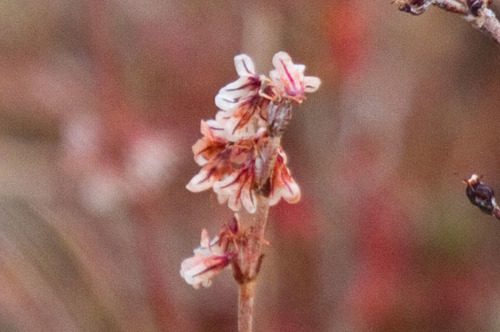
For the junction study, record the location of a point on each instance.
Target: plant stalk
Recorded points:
(247, 265)
(245, 306)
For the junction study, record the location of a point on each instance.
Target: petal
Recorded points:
(227, 127)
(205, 129)
(249, 200)
(274, 198)
(192, 266)
(200, 160)
(300, 70)
(227, 189)
(239, 88)
(234, 203)
(197, 148)
(216, 128)
(205, 240)
(206, 283)
(275, 77)
(311, 84)
(209, 130)
(209, 248)
(200, 182)
(280, 59)
(283, 157)
(199, 269)
(291, 75)
(291, 193)
(244, 65)
(283, 186)
(224, 186)
(221, 198)
(228, 101)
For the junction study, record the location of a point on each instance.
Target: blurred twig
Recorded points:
(476, 12)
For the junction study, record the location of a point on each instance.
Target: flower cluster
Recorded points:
(211, 257)
(252, 110)
(240, 156)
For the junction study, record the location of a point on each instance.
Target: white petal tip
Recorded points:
(311, 84)
(244, 65)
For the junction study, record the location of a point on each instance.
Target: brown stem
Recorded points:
(245, 306)
(452, 6)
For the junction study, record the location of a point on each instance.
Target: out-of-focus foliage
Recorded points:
(100, 102)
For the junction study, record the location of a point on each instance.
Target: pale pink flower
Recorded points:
(243, 103)
(213, 153)
(282, 183)
(289, 78)
(233, 172)
(227, 167)
(212, 143)
(240, 124)
(238, 189)
(208, 260)
(249, 83)
(231, 151)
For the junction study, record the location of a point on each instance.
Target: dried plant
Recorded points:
(476, 12)
(242, 160)
(482, 196)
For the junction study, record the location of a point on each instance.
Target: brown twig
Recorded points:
(482, 196)
(245, 306)
(476, 12)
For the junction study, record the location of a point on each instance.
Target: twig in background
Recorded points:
(482, 196)
(476, 12)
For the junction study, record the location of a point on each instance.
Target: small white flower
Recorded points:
(249, 83)
(282, 184)
(289, 77)
(208, 260)
(237, 190)
(201, 181)
(243, 103)
(238, 127)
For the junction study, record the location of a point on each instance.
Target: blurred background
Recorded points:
(101, 101)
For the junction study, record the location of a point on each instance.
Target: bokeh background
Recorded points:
(101, 101)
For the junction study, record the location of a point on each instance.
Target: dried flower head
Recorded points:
(233, 151)
(289, 78)
(243, 102)
(212, 256)
(209, 259)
